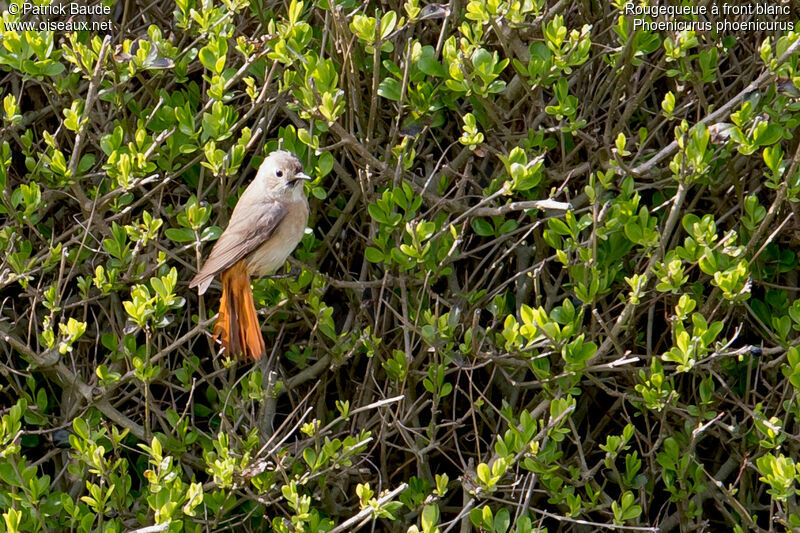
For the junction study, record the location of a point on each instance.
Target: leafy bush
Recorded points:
(549, 280)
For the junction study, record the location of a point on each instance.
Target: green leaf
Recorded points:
(390, 89)
(180, 234)
(53, 68)
(377, 214)
(429, 517)
(207, 58)
(210, 233)
(770, 134)
(374, 255)
(482, 227)
(428, 64)
(81, 428)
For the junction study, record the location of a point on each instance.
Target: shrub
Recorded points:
(548, 281)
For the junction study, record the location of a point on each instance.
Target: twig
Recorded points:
(522, 206)
(49, 363)
(364, 514)
(723, 111)
(79, 136)
(151, 529)
(672, 220)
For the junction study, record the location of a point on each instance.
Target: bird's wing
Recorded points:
(242, 236)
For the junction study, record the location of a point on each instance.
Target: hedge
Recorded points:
(549, 280)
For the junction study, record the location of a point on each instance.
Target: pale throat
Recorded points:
(297, 193)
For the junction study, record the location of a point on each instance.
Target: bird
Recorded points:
(268, 222)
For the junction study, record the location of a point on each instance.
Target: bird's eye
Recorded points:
(279, 173)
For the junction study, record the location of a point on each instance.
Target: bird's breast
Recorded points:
(273, 253)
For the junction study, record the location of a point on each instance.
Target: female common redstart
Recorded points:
(266, 225)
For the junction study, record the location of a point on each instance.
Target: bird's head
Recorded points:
(282, 174)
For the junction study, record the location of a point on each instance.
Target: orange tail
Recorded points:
(237, 325)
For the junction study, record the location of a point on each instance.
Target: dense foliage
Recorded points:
(549, 280)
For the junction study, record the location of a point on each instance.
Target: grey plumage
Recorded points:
(258, 213)
(237, 241)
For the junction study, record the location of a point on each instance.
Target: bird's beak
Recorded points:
(303, 176)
